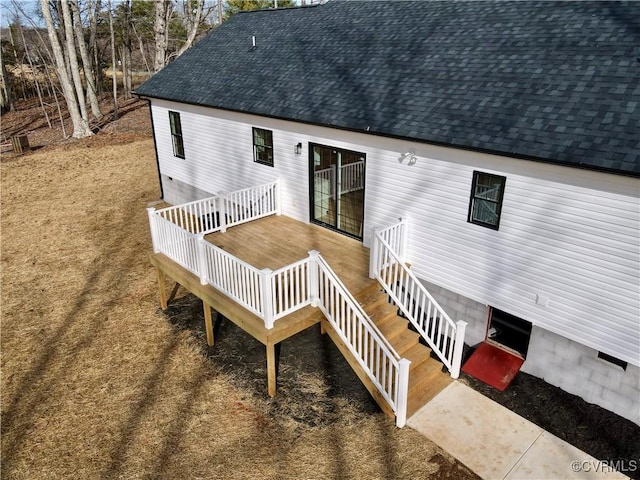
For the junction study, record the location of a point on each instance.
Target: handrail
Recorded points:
(216, 213)
(290, 288)
(195, 217)
(373, 352)
(176, 243)
(237, 279)
(442, 334)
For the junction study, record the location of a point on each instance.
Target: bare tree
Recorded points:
(80, 124)
(193, 22)
(94, 7)
(5, 91)
(86, 61)
(114, 67)
(35, 75)
(71, 55)
(126, 51)
(164, 9)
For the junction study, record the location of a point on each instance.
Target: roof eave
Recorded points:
(417, 140)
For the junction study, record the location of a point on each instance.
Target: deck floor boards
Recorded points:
(277, 241)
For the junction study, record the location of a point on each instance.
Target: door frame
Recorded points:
(311, 166)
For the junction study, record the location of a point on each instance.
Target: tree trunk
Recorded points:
(126, 52)
(35, 76)
(86, 61)
(5, 92)
(193, 31)
(80, 125)
(114, 67)
(94, 10)
(73, 60)
(161, 30)
(141, 47)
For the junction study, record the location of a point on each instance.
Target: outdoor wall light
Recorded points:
(409, 156)
(298, 148)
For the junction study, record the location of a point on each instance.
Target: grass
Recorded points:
(98, 383)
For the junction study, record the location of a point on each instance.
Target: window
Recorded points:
(176, 134)
(486, 199)
(263, 146)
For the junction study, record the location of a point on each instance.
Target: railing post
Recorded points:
(202, 259)
(403, 392)
(278, 198)
(222, 213)
(458, 345)
(151, 211)
(314, 278)
(374, 252)
(404, 239)
(267, 297)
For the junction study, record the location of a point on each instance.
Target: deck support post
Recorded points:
(162, 289)
(208, 322)
(271, 368)
(456, 361)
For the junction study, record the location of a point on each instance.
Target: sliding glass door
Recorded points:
(337, 188)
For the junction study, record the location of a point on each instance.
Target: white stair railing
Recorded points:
(376, 356)
(387, 265)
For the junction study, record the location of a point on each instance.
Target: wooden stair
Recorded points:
(426, 375)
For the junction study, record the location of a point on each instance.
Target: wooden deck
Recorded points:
(276, 241)
(272, 242)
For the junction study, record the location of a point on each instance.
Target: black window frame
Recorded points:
(177, 141)
(260, 149)
(476, 199)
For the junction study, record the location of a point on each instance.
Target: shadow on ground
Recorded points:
(316, 385)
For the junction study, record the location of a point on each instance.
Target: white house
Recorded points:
(507, 134)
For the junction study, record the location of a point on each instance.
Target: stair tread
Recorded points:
(418, 398)
(417, 355)
(403, 342)
(369, 293)
(379, 312)
(423, 373)
(391, 327)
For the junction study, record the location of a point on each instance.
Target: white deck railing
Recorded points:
(178, 232)
(379, 360)
(216, 213)
(237, 279)
(387, 265)
(351, 178)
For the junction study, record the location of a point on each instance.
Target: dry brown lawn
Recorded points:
(96, 383)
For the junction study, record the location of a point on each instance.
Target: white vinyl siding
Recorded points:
(567, 237)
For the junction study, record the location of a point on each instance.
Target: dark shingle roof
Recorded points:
(554, 81)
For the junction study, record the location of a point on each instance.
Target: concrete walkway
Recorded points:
(496, 443)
